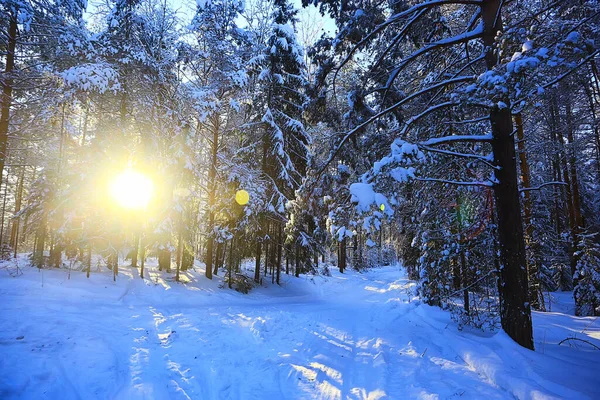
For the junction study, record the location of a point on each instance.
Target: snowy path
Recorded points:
(351, 336)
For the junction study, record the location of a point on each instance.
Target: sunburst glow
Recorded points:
(132, 190)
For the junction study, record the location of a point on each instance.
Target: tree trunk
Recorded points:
(88, 260)
(40, 241)
(297, 260)
(164, 260)
(342, 256)
(4, 198)
(257, 264)
(134, 251)
(142, 256)
(515, 311)
(6, 99)
(218, 252)
(14, 234)
(212, 187)
(287, 263)
(279, 251)
(568, 190)
(530, 245)
(577, 216)
(465, 281)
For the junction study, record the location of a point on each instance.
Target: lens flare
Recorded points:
(242, 197)
(132, 190)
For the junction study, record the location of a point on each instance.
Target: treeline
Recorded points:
(460, 138)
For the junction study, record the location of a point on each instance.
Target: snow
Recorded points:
(352, 335)
(573, 37)
(365, 196)
(99, 77)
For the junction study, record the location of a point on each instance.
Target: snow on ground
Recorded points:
(350, 336)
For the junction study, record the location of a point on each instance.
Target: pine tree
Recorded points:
(587, 277)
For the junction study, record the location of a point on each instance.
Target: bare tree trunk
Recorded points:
(88, 259)
(40, 241)
(279, 251)
(212, 188)
(6, 99)
(342, 257)
(134, 251)
(515, 310)
(564, 155)
(297, 260)
(14, 234)
(3, 215)
(287, 263)
(530, 245)
(576, 199)
(465, 281)
(164, 260)
(218, 252)
(142, 256)
(257, 264)
(591, 93)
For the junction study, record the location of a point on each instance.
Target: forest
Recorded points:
(264, 139)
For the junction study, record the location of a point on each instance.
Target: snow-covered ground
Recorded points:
(356, 336)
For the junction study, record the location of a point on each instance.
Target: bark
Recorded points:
(142, 256)
(578, 218)
(40, 241)
(218, 251)
(3, 215)
(164, 260)
(342, 257)
(14, 234)
(515, 311)
(88, 260)
(257, 264)
(590, 95)
(568, 190)
(555, 170)
(465, 281)
(212, 187)
(297, 261)
(179, 253)
(530, 245)
(279, 251)
(134, 251)
(7, 87)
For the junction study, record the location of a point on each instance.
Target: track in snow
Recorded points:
(351, 336)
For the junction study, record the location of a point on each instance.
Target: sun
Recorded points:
(132, 190)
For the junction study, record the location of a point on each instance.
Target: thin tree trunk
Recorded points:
(287, 263)
(218, 252)
(14, 234)
(342, 256)
(297, 260)
(134, 251)
(3, 216)
(88, 260)
(257, 264)
(465, 281)
(279, 251)
(142, 256)
(40, 240)
(212, 188)
(532, 267)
